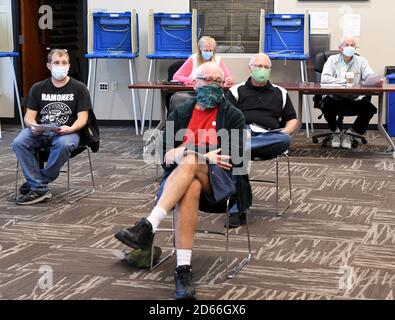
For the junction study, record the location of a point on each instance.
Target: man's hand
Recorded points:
(36, 131)
(174, 156)
(220, 160)
(64, 130)
(380, 83)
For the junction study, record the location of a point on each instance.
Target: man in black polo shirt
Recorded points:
(269, 115)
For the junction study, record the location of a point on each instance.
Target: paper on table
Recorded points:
(372, 80)
(332, 85)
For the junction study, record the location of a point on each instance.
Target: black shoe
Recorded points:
(237, 220)
(138, 237)
(24, 189)
(33, 197)
(184, 286)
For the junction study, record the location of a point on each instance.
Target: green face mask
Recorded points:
(209, 96)
(260, 75)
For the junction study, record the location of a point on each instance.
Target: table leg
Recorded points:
(391, 145)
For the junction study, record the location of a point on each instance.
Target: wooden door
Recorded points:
(33, 48)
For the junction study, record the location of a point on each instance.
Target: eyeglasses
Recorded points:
(260, 66)
(219, 82)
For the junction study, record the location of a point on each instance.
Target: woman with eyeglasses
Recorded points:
(205, 53)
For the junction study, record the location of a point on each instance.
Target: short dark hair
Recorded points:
(60, 52)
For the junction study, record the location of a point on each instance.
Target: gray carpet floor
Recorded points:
(336, 242)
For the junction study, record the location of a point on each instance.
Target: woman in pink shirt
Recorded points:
(205, 53)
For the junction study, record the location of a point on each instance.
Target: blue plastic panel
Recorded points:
(285, 36)
(8, 54)
(112, 32)
(173, 35)
(391, 108)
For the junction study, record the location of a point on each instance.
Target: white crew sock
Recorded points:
(157, 215)
(184, 257)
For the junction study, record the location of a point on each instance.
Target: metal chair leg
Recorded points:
(235, 270)
(16, 179)
(92, 191)
(290, 201)
(173, 250)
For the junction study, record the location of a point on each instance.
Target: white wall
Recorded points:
(6, 44)
(116, 105)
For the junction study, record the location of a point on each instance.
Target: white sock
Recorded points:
(184, 257)
(157, 215)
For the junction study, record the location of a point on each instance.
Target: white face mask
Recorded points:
(59, 73)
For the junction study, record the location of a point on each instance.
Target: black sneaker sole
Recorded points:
(120, 236)
(192, 297)
(46, 196)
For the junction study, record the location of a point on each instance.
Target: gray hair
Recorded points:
(263, 55)
(208, 65)
(346, 37)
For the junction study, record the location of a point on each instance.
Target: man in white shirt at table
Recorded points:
(336, 70)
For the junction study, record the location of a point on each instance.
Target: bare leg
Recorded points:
(180, 180)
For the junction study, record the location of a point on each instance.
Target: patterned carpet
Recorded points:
(336, 242)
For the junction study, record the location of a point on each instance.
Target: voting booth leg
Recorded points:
(134, 100)
(92, 78)
(18, 100)
(152, 97)
(134, 74)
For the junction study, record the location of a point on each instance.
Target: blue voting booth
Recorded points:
(391, 108)
(287, 37)
(9, 56)
(115, 36)
(170, 36)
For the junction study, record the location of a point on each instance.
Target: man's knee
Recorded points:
(20, 141)
(195, 188)
(66, 144)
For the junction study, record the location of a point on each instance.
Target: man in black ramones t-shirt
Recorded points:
(56, 110)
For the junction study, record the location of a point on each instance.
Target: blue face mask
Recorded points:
(207, 55)
(349, 51)
(209, 97)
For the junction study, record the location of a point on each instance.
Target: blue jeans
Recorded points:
(266, 146)
(25, 146)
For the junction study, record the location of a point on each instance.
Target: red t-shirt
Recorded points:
(202, 128)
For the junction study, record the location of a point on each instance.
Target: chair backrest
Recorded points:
(173, 68)
(180, 98)
(320, 60)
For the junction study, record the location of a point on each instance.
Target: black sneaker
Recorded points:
(184, 286)
(138, 237)
(24, 189)
(237, 220)
(33, 197)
